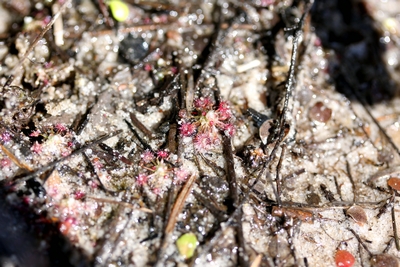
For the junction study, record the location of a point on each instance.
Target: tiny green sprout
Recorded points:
(119, 10)
(187, 244)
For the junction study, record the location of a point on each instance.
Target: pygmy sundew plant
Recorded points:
(157, 172)
(56, 141)
(206, 122)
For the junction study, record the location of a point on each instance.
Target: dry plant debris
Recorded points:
(265, 130)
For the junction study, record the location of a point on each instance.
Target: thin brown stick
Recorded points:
(78, 151)
(171, 138)
(389, 245)
(172, 218)
(257, 261)
(353, 185)
(142, 144)
(138, 124)
(396, 236)
(15, 159)
(360, 241)
(216, 169)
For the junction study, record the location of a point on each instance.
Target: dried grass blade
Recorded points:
(257, 261)
(15, 159)
(180, 201)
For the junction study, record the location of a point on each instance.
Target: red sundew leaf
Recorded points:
(60, 128)
(147, 156)
(142, 179)
(343, 258)
(5, 162)
(79, 195)
(37, 148)
(229, 129)
(187, 129)
(162, 154)
(203, 103)
(203, 141)
(224, 111)
(5, 137)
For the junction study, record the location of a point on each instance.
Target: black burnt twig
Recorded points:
(289, 85)
(396, 236)
(216, 169)
(338, 188)
(115, 153)
(93, 171)
(36, 172)
(138, 124)
(143, 144)
(278, 179)
(389, 246)
(327, 193)
(219, 214)
(82, 120)
(353, 185)
(360, 241)
(242, 257)
(40, 36)
(208, 55)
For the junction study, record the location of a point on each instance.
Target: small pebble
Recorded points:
(320, 113)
